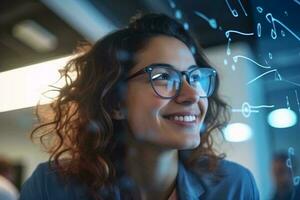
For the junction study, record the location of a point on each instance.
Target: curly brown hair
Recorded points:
(82, 130)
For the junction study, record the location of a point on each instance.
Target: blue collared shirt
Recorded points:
(235, 182)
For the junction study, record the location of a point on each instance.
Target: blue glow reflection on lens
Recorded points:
(282, 118)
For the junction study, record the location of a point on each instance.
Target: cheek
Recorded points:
(203, 105)
(143, 120)
(143, 109)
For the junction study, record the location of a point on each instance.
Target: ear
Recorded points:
(117, 114)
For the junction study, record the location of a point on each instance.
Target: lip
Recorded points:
(183, 113)
(182, 123)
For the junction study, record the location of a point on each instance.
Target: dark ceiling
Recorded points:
(15, 53)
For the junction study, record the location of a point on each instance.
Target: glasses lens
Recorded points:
(165, 81)
(203, 80)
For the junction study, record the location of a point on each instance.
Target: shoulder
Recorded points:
(32, 188)
(239, 178)
(45, 183)
(36, 186)
(234, 181)
(232, 170)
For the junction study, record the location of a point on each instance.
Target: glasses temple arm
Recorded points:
(142, 71)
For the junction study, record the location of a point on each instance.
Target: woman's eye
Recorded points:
(196, 78)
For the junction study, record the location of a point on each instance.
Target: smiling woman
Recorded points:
(137, 123)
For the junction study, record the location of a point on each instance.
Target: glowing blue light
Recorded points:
(186, 26)
(178, 14)
(193, 50)
(237, 132)
(282, 118)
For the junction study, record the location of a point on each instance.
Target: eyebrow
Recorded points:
(190, 67)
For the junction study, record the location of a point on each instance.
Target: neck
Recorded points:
(153, 169)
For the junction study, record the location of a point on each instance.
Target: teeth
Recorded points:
(186, 118)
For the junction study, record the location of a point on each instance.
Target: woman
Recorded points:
(136, 123)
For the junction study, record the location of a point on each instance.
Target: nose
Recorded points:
(187, 95)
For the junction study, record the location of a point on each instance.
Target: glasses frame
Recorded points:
(148, 69)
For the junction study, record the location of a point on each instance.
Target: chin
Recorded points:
(190, 142)
(184, 145)
(189, 146)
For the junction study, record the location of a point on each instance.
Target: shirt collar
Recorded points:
(188, 184)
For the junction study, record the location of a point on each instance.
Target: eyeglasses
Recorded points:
(167, 81)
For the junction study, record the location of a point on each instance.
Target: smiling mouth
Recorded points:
(183, 120)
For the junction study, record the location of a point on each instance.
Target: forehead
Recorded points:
(165, 49)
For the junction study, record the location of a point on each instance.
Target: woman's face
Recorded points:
(146, 111)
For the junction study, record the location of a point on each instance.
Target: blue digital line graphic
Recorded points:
(272, 20)
(225, 62)
(228, 51)
(273, 30)
(266, 61)
(268, 72)
(289, 164)
(172, 4)
(259, 9)
(233, 11)
(263, 106)
(270, 55)
(233, 67)
(247, 109)
(297, 100)
(245, 13)
(278, 77)
(297, 2)
(178, 15)
(287, 102)
(235, 59)
(258, 27)
(290, 82)
(227, 33)
(211, 21)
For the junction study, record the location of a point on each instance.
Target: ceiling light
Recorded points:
(25, 87)
(282, 118)
(237, 132)
(83, 16)
(35, 36)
